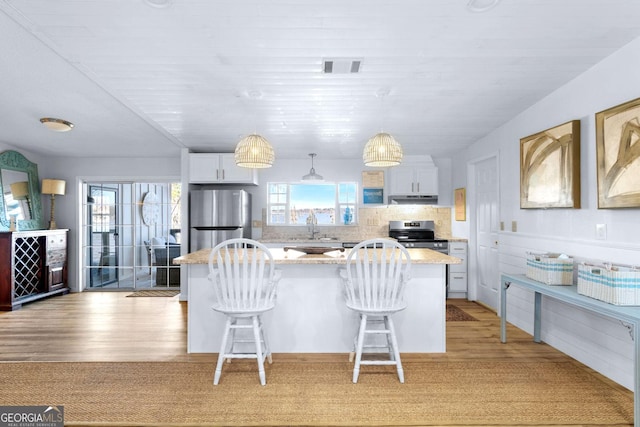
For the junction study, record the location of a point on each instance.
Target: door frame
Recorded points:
(115, 196)
(78, 257)
(472, 276)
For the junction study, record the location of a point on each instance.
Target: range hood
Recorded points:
(413, 199)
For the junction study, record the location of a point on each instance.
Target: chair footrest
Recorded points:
(379, 362)
(240, 356)
(374, 346)
(377, 331)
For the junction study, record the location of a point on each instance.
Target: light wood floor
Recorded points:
(109, 326)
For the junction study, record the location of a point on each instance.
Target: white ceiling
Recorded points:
(139, 80)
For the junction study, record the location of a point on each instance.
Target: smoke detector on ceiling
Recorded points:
(341, 65)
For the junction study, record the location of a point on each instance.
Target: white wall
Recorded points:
(601, 343)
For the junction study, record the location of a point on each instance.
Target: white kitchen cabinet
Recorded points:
(458, 272)
(408, 179)
(219, 168)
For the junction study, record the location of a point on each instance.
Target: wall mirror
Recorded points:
(20, 192)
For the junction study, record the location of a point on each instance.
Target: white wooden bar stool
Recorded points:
(244, 277)
(375, 278)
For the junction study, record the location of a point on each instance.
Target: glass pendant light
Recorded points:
(312, 175)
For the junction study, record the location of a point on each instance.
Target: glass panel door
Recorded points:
(131, 235)
(103, 235)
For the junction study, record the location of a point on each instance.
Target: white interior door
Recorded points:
(486, 182)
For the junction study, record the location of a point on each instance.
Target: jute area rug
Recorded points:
(313, 394)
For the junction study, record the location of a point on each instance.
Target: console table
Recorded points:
(36, 263)
(570, 295)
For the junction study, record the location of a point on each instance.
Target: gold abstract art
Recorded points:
(618, 156)
(550, 168)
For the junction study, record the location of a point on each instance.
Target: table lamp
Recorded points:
(53, 187)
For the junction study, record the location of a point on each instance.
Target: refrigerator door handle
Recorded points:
(230, 227)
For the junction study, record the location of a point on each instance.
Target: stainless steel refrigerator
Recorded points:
(218, 215)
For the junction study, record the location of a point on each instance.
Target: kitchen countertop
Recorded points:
(338, 242)
(418, 256)
(453, 239)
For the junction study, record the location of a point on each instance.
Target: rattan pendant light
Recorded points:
(255, 152)
(382, 151)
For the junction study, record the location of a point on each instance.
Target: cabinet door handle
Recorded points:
(223, 174)
(418, 187)
(412, 186)
(217, 174)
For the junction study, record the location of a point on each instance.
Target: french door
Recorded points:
(102, 232)
(124, 224)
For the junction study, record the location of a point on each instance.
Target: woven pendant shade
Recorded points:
(381, 151)
(254, 151)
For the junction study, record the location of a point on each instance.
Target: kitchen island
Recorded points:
(310, 314)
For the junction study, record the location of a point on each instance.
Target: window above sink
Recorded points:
(315, 204)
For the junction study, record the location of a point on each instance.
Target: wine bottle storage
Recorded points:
(38, 262)
(27, 267)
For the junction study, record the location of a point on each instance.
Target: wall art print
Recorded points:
(460, 200)
(550, 168)
(618, 156)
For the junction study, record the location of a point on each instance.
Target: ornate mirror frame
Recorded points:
(13, 161)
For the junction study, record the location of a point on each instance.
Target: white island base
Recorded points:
(311, 316)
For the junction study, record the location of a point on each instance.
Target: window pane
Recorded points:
(347, 192)
(313, 200)
(322, 203)
(277, 215)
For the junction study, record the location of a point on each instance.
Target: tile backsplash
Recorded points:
(372, 222)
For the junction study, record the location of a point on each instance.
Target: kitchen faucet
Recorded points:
(311, 225)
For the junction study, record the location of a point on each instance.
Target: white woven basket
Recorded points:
(549, 269)
(615, 284)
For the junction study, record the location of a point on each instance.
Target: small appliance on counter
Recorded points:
(218, 215)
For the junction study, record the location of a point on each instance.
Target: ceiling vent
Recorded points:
(341, 66)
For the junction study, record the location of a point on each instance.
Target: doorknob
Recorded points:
(496, 243)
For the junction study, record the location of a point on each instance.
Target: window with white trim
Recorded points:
(323, 203)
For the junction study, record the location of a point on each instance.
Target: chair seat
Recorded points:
(375, 311)
(243, 312)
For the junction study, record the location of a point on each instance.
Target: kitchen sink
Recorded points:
(314, 250)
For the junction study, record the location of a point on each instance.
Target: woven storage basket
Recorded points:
(549, 269)
(615, 284)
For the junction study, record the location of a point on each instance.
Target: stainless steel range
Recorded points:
(420, 234)
(417, 234)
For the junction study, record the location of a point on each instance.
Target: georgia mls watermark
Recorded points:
(31, 416)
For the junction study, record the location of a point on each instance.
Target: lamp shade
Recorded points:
(20, 190)
(381, 151)
(254, 151)
(53, 186)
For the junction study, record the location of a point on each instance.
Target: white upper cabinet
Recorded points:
(219, 168)
(415, 176)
